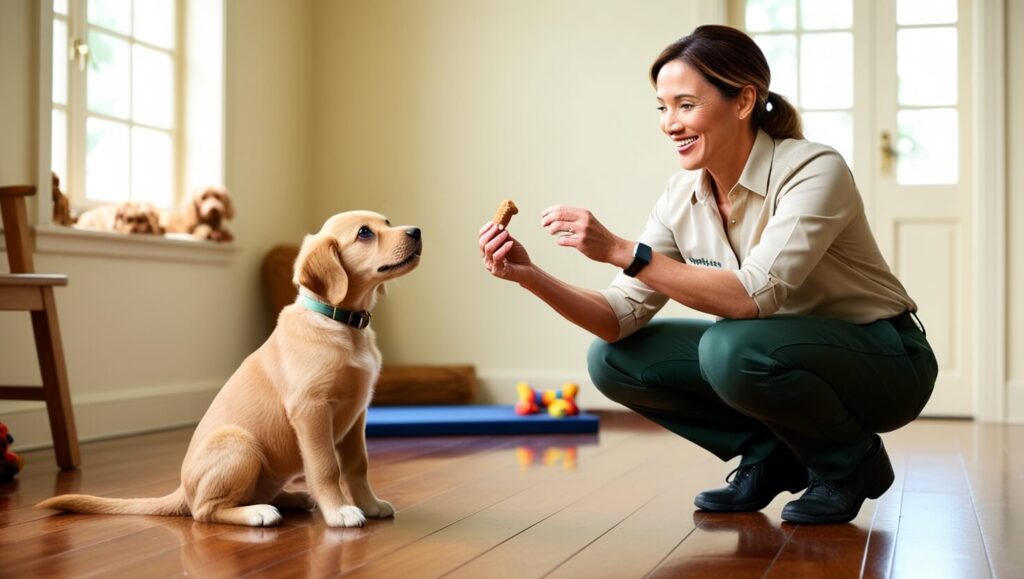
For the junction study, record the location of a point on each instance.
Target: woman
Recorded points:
(816, 350)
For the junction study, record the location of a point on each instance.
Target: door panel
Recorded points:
(922, 197)
(903, 127)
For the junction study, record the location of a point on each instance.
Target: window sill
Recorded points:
(59, 240)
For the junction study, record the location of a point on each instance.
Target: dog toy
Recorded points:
(504, 213)
(559, 403)
(10, 463)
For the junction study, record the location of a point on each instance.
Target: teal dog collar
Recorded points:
(358, 320)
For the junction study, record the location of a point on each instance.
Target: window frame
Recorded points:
(860, 159)
(77, 112)
(205, 92)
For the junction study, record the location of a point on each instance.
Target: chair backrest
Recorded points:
(15, 216)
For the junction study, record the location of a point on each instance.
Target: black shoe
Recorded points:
(755, 485)
(839, 501)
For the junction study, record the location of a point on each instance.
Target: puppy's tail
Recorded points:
(171, 505)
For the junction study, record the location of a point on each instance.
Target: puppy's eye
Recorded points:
(365, 233)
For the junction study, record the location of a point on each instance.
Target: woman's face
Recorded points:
(703, 125)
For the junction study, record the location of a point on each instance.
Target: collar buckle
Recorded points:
(359, 320)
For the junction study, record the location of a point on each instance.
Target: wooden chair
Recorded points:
(24, 290)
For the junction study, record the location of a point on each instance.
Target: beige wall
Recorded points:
(432, 112)
(148, 343)
(1015, 202)
(17, 91)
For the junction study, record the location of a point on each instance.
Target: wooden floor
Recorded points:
(619, 505)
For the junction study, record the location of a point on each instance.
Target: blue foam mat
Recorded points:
(482, 419)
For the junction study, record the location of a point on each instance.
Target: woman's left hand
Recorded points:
(580, 229)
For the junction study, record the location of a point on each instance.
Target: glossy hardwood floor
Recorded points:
(617, 505)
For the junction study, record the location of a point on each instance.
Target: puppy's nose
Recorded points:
(413, 232)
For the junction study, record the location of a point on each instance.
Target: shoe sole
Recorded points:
(728, 508)
(714, 507)
(802, 519)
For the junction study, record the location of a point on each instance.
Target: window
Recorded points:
(927, 119)
(910, 74)
(115, 126)
(809, 47)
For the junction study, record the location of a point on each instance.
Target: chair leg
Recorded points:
(55, 382)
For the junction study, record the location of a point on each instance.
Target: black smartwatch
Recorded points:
(641, 257)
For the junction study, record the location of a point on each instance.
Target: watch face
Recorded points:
(641, 257)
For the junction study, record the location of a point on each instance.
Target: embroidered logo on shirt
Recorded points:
(704, 261)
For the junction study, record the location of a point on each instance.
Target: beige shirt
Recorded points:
(797, 239)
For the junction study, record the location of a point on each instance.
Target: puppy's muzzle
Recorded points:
(414, 243)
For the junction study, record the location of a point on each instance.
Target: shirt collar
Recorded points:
(755, 173)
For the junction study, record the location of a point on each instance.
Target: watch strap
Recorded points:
(641, 257)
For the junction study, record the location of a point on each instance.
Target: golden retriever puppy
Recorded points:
(125, 217)
(202, 215)
(296, 406)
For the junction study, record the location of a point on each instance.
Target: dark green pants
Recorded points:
(820, 386)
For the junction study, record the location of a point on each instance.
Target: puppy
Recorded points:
(125, 217)
(296, 406)
(203, 215)
(61, 205)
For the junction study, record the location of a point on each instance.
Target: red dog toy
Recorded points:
(10, 463)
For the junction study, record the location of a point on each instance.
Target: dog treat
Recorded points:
(505, 212)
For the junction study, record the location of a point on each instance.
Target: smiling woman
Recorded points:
(818, 350)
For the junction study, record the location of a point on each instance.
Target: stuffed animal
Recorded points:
(203, 215)
(10, 463)
(559, 403)
(61, 205)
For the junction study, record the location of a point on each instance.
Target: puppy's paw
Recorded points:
(379, 510)
(262, 516)
(347, 516)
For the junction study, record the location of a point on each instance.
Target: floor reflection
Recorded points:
(551, 456)
(553, 452)
(221, 551)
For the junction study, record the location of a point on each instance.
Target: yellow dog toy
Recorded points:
(560, 402)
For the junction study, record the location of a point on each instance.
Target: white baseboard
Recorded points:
(499, 387)
(119, 413)
(116, 413)
(1015, 401)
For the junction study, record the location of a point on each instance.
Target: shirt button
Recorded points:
(733, 221)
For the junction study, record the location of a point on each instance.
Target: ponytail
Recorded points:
(778, 117)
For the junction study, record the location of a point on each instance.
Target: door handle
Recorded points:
(80, 53)
(888, 153)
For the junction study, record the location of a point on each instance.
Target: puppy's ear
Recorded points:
(229, 205)
(153, 218)
(319, 269)
(120, 214)
(190, 211)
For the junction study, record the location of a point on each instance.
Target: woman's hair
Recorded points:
(730, 60)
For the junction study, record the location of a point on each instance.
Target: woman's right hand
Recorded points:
(503, 256)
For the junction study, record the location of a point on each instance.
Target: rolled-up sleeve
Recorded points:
(633, 302)
(816, 203)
